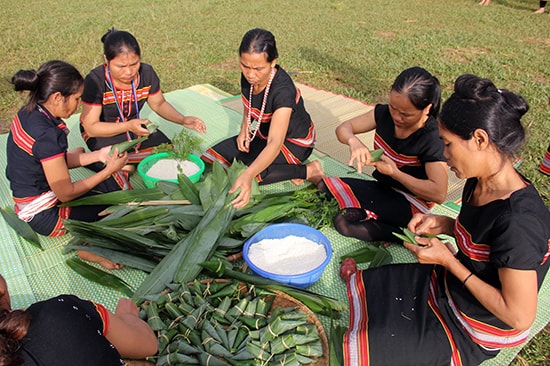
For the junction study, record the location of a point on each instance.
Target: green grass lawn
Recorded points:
(351, 47)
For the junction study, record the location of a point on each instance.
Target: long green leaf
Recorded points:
(21, 227)
(126, 145)
(188, 189)
(164, 272)
(118, 197)
(99, 276)
(381, 258)
(337, 344)
(364, 254)
(97, 234)
(136, 217)
(204, 245)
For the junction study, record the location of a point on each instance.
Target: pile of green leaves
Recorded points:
(153, 231)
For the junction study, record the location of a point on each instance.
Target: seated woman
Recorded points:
(115, 93)
(282, 137)
(411, 174)
(38, 162)
(461, 308)
(66, 330)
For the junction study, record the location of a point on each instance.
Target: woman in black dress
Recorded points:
(277, 134)
(411, 174)
(67, 330)
(461, 307)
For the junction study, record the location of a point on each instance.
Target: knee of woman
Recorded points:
(342, 225)
(322, 187)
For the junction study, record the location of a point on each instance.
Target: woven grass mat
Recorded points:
(35, 274)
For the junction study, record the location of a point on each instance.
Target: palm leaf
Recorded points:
(99, 276)
(118, 197)
(21, 227)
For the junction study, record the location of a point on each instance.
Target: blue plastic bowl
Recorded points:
(279, 231)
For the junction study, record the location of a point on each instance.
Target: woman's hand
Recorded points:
(137, 126)
(242, 142)
(104, 154)
(244, 183)
(115, 162)
(131, 336)
(386, 166)
(359, 154)
(431, 251)
(422, 224)
(126, 306)
(194, 123)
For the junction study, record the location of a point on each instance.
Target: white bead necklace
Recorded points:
(252, 133)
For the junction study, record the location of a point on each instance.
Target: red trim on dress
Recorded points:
(477, 252)
(356, 339)
(399, 159)
(53, 157)
(21, 138)
(104, 315)
(342, 193)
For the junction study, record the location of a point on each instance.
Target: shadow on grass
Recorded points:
(531, 6)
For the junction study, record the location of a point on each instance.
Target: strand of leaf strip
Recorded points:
(252, 134)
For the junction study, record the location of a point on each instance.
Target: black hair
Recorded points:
(52, 77)
(257, 41)
(116, 42)
(13, 327)
(477, 104)
(421, 87)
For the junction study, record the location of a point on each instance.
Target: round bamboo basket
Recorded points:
(284, 300)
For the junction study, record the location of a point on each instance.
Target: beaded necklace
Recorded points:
(120, 105)
(252, 133)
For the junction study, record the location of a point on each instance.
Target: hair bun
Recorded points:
(109, 31)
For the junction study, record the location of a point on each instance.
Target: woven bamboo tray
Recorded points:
(283, 300)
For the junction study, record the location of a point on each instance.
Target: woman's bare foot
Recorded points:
(347, 268)
(89, 256)
(314, 172)
(129, 168)
(484, 2)
(539, 11)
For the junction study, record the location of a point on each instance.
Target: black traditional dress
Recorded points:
(299, 140)
(417, 314)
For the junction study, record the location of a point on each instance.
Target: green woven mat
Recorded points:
(35, 274)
